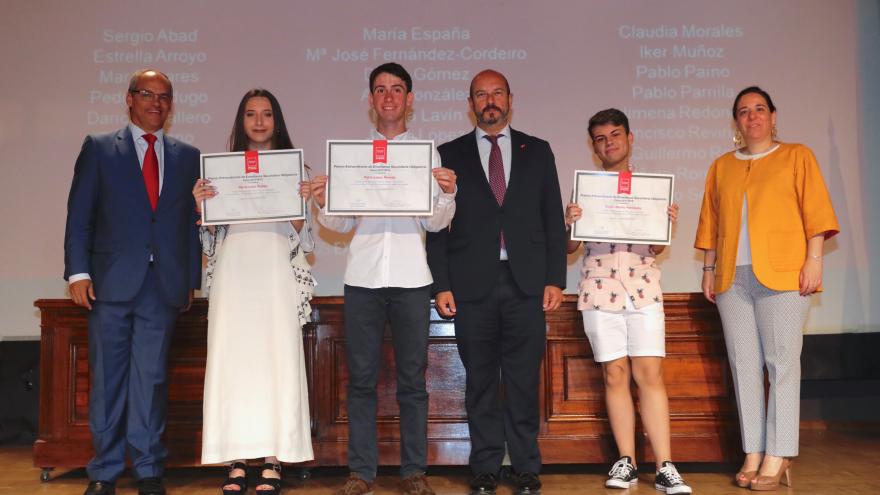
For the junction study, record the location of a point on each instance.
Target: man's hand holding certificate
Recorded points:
(251, 186)
(380, 178)
(623, 207)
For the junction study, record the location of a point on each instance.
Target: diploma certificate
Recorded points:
(253, 186)
(637, 217)
(380, 178)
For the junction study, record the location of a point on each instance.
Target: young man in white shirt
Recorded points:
(387, 279)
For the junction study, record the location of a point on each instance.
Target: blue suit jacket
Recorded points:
(111, 228)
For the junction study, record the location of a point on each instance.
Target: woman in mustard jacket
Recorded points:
(765, 216)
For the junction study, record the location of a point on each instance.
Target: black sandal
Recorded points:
(275, 483)
(239, 481)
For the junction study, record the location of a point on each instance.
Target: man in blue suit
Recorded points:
(132, 258)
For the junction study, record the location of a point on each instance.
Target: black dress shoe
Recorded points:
(150, 486)
(484, 484)
(527, 484)
(101, 488)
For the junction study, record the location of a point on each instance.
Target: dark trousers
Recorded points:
(128, 350)
(501, 342)
(366, 311)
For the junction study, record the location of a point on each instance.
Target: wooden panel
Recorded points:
(574, 422)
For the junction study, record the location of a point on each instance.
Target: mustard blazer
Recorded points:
(787, 204)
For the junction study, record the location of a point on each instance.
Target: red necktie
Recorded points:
(496, 174)
(151, 171)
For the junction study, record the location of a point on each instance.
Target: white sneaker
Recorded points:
(623, 474)
(669, 481)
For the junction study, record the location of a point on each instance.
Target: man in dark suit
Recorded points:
(132, 258)
(497, 269)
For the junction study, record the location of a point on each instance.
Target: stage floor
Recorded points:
(831, 462)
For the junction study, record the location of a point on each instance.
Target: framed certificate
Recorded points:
(609, 215)
(253, 186)
(380, 178)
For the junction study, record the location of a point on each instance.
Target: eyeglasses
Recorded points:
(149, 96)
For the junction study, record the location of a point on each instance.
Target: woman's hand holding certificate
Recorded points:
(249, 187)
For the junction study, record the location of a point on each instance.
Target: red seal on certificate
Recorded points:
(624, 182)
(251, 162)
(380, 151)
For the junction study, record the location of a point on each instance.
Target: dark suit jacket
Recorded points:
(112, 230)
(464, 259)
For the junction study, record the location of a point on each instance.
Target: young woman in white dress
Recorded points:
(259, 284)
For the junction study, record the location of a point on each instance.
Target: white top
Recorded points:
(390, 251)
(485, 147)
(744, 247)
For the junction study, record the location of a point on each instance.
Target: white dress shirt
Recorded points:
(390, 251)
(485, 147)
(140, 146)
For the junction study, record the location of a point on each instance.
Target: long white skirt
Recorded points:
(256, 396)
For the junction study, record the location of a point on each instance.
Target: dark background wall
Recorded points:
(841, 377)
(19, 391)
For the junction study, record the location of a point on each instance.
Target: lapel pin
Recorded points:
(522, 146)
